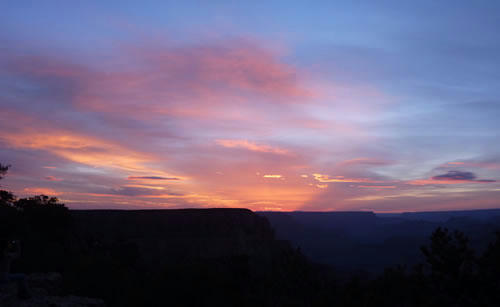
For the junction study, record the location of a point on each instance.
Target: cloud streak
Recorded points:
(152, 178)
(78, 148)
(245, 144)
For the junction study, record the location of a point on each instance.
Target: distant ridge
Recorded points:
(441, 216)
(169, 210)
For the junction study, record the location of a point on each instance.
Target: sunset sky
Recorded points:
(275, 105)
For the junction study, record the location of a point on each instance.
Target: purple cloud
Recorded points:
(460, 176)
(151, 178)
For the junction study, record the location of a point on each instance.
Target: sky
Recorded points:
(386, 106)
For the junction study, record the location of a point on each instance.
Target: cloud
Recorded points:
(456, 175)
(456, 163)
(162, 79)
(273, 176)
(151, 178)
(377, 186)
(492, 164)
(52, 178)
(364, 161)
(327, 178)
(451, 177)
(78, 148)
(41, 191)
(251, 146)
(161, 112)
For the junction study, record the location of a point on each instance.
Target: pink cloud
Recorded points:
(52, 178)
(176, 81)
(120, 119)
(245, 144)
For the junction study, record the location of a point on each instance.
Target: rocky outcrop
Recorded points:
(164, 236)
(45, 292)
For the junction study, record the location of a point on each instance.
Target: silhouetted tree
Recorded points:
(42, 223)
(452, 267)
(489, 272)
(46, 233)
(489, 262)
(6, 198)
(44, 216)
(449, 255)
(3, 170)
(8, 214)
(44, 213)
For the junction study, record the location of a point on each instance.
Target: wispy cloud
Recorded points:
(364, 161)
(52, 178)
(491, 164)
(245, 144)
(327, 178)
(78, 148)
(168, 80)
(377, 186)
(151, 178)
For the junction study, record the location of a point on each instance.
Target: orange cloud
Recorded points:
(40, 191)
(90, 151)
(273, 176)
(79, 148)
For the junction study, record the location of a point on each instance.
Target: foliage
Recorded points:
(3, 170)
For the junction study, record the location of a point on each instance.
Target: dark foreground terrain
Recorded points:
(368, 243)
(229, 257)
